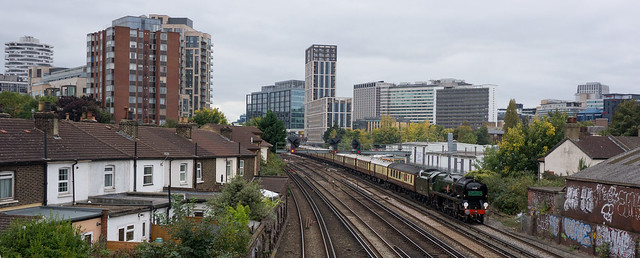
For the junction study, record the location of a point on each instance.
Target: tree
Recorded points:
(387, 133)
(511, 117)
(482, 135)
(333, 132)
(239, 191)
(253, 121)
(626, 119)
(273, 130)
(77, 107)
(273, 166)
(419, 132)
(21, 106)
(207, 115)
(464, 134)
(51, 237)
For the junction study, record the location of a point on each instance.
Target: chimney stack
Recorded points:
(227, 132)
(129, 128)
(46, 120)
(572, 129)
(184, 130)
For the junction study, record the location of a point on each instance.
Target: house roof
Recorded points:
(109, 135)
(602, 147)
(217, 145)
(166, 140)
(77, 144)
(20, 141)
(622, 169)
(67, 213)
(275, 184)
(246, 135)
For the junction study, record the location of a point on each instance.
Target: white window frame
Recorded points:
(90, 235)
(126, 230)
(183, 172)
(228, 170)
(8, 175)
(241, 167)
(145, 175)
(113, 176)
(199, 172)
(65, 181)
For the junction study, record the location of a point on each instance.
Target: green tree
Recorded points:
(50, 237)
(273, 166)
(464, 134)
(511, 117)
(273, 130)
(419, 132)
(239, 191)
(482, 135)
(21, 106)
(207, 115)
(77, 107)
(626, 119)
(558, 119)
(253, 121)
(332, 132)
(232, 238)
(387, 133)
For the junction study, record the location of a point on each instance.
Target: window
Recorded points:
(228, 169)
(126, 234)
(148, 175)
(6, 185)
(63, 180)
(108, 176)
(144, 228)
(183, 172)
(199, 172)
(241, 168)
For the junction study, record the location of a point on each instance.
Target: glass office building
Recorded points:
(285, 98)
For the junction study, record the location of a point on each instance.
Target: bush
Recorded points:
(273, 166)
(43, 238)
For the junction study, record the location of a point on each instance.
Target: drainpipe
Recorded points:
(135, 166)
(195, 167)
(46, 174)
(169, 208)
(73, 180)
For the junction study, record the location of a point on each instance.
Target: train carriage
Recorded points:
(403, 175)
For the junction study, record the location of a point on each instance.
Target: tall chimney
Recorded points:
(184, 130)
(129, 128)
(47, 121)
(572, 129)
(227, 132)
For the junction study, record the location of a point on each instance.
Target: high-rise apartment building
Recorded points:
(285, 99)
(195, 64)
(133, 69)
(320, 91)
(28, 51)
(457, 103)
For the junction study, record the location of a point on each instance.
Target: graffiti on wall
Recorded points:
(621, 243)
(548, 223)
(578, 231)
(608, 200)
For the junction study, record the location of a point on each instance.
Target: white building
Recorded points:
(26, 52)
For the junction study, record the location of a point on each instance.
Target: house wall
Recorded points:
(175, 173)
(221, 169)
(122, 178)
(136, 219)
(208, 182)
(249, 168)
(91, 226)
(587, 216)
(158, 176)
(28, 185)
(443, 160)
(564, 160)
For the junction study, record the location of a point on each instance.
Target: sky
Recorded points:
(531, 50)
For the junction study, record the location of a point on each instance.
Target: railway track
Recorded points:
(500, 243)
(349, 243)
(400, 235)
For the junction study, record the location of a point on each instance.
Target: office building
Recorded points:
(548, 105)
(27, 52)
(415, 102)
(285, 98)
(366, 99)
(458, 102)
(56, 81)
(589, 91)
(133, 69)
(612, 100)
(13, 83)
(195, 64)
(322, 108)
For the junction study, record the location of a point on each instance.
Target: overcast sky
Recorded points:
(531, 51)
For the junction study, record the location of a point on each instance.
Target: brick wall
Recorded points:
(28, 184)
(208, 176)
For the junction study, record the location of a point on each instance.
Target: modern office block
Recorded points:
(285, 98)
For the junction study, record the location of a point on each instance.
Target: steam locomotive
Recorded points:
(461, 197)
